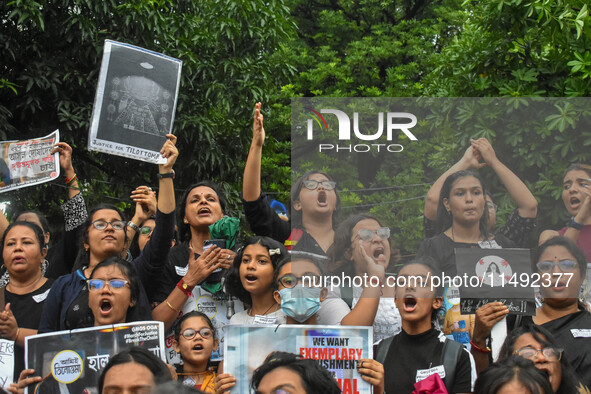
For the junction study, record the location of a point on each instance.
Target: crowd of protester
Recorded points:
(108, 270)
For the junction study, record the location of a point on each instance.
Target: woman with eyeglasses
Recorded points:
(362, 249)
(105, 236)
(562, 267)
(195, 341)
(518, 225)
(314, 203)
(22, 299)
(114, 292)
(538, 345)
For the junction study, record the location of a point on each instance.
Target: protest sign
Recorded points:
(336, 348)
(29, 162)
(72, 361)
(135, 102)
(496, 275)
(6, 363)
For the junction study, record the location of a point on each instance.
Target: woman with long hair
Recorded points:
(315, 203)
(462, 221)
(361, 246)
(104, 236)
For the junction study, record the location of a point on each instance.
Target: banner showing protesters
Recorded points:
(72, 361)
(29, 162)
(497, 275)
(336, 348)
(135, 102)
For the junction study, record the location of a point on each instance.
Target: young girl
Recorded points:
(250, 279)
(113, 292)
(195, 340)
(424, 348)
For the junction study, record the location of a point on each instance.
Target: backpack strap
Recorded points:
(382, 350)
(450, 357)
(295, 235)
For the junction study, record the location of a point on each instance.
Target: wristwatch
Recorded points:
(575, 225)
(133, 226)
(166, 175)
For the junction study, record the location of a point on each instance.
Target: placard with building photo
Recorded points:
(135, 102)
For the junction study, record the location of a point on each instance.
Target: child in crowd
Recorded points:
(420, 350)
(250, 279)
(299, 290)
(299, 303)
(113, 292)
(195, 340)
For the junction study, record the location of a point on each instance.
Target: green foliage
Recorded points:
(232, 57)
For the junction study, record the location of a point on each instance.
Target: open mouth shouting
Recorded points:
(322, 198)
(409, 303)
(250, 279)
(204, 211)
(105, 307)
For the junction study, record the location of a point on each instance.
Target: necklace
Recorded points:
(250, 311)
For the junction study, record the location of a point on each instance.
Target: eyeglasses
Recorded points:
(530, 353)
(98, 284)
(102, 224)
(367, 235)
(146, 230)
(190, 333)
(290, 280)
(564, 265)
(491, 205)
(311, 184)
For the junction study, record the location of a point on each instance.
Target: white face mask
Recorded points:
(300, 303)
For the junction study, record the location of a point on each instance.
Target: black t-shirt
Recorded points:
(174, 270)
(27, 310)
(573, 333)
(410, 355)
(79, 314)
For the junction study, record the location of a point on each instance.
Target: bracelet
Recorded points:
(172, 307)
(479, 349)
(185, 288)
(18, 330)
(167, 175)
(133, 226)
(71, 180)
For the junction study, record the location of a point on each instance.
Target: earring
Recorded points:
(185, 221)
